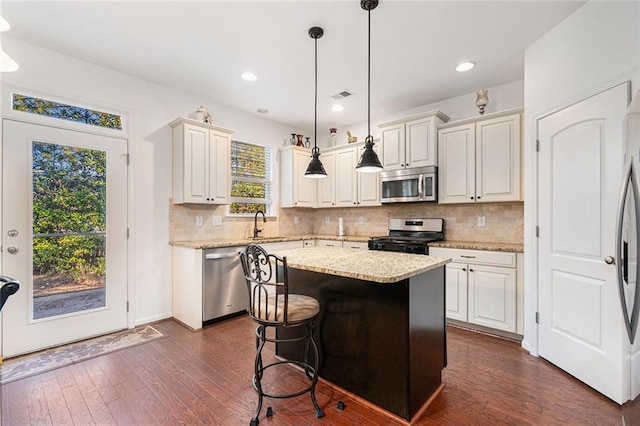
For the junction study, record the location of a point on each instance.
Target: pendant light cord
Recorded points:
(369, 79)
(315, 117)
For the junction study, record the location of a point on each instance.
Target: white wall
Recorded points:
(589, 51)
(503, 97)
(150, 108)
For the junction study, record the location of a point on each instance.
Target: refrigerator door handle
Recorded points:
(626, 182)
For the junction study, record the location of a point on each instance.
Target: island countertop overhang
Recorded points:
(376, 266)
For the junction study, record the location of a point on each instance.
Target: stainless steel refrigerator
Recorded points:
(627, 265)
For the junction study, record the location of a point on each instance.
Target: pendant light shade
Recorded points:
(6, 63)
(369, 162)
(315, 168)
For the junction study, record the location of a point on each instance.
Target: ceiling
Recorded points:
(203, 47)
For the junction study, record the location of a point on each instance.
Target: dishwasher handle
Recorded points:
(214, 256)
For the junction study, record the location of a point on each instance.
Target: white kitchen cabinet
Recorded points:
(327, 186)
(360, 245)
(411, 142)
(354, 188)
(482, 288)
(479, 160)
(201, 162)
(295, 189)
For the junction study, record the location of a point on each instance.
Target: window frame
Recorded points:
(269, 202)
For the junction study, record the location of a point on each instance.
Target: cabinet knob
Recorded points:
(472, 198)
(464, 269)
(470, 270)
(478, 197)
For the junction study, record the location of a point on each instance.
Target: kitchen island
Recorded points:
(381, 328)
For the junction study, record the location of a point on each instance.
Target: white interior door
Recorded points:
(580, 172)
(64, 226)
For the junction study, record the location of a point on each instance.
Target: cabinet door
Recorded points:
(219, 168)
(456, 170)
(420, 145)
(327, 186)
(393, 155)
(328, 243)
(368, 184)
(304, 189)
(492, 297)
(196, 164)
(346, 179)
(456, 291)
(498, 159)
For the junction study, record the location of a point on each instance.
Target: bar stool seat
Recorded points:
(271, 305)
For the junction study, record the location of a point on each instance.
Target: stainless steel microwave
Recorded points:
(409, 185)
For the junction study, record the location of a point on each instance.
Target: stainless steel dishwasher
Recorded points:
(224, 291)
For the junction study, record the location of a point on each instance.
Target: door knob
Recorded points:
(12, 232)
(609, 260)
(12, 249)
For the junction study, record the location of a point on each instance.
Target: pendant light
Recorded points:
(315, 168)
(369, 162)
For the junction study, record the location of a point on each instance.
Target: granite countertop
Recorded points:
(471, 245)
(206, 244)
(474, 245)
(376, 266)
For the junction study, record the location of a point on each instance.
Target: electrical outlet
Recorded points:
(295, 220)
(481, 221)
(216, 220)
(327, 219)
(199, 221)
(361, 220)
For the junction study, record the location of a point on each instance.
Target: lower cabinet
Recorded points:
(337, 243)
(482, 288)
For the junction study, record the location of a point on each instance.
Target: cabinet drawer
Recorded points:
(497, 258)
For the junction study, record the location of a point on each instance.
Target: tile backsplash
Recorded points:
(504, 222)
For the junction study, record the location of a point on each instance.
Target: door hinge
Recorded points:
(537, 145)
(127, 306)
(537, 318)
(537, 231)
(127, 158)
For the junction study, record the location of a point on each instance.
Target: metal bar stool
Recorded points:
(271, 305)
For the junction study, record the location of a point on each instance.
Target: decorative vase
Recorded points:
(203, 115)
(307, 144)
(333, 132)
(482, 100)
(300, 143)
(293, 139)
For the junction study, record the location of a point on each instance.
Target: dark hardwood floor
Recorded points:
(205, 378)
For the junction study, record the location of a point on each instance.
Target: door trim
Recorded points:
(531, 219)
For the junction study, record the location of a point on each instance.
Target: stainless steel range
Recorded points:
(409, 235)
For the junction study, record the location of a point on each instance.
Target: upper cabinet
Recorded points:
(327, 186)
(343, 186)
(201, 162)
(411, 142)
(295, 189)
(479, 160)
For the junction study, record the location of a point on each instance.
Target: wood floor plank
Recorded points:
(204, 377)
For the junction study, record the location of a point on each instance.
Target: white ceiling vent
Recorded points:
(342, 95)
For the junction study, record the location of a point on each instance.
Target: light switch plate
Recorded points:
(217, 220)
(199, 220)
(295, 220)
(327, 219)
(361, 220)
(481, 221)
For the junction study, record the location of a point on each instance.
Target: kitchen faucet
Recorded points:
(255, 223)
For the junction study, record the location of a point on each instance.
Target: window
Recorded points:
(66, 112)
(250, 178)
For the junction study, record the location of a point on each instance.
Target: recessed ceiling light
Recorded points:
(249, 76)
(262, 110)
(465, 66)
(337, 108)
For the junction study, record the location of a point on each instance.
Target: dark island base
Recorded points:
(385, 343)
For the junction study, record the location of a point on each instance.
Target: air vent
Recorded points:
(342, 95)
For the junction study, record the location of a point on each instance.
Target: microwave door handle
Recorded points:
(420, 186)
